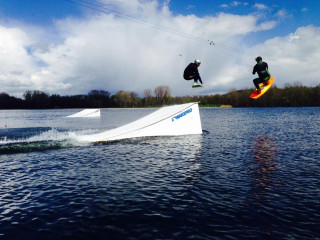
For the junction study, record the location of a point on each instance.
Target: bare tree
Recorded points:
(147, 96)
(134, 99)
(123, 99)
(162, 94)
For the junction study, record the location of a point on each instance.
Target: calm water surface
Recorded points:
(252, 174)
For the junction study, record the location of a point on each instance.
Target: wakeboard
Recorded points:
(263, 88)
(196, 85)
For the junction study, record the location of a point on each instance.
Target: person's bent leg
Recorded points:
(188, 77)
(256, 82)
(265, 81)
(196, 79)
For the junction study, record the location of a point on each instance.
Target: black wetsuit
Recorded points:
(262, 69)
(191, 72)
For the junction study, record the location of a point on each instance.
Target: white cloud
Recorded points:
(260, 6)
(234, 4)
(292, 37)
(16, 65)
(266, 25)
(110, 53)
(282, 14)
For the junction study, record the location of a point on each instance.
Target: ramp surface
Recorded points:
(86, 113)
(174, 120)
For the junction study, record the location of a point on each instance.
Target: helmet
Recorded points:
(258, 59)
(197, 61)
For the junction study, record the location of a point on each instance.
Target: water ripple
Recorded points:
(228, 183)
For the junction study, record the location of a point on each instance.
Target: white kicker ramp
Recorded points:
(174, 120)
(86, 113)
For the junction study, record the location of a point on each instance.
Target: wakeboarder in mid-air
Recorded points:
(264, 81)
(191, 72)
(262, 69)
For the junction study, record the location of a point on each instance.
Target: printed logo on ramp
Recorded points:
(181, 114)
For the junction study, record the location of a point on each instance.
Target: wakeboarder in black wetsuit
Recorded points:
(262, 69)
(191, 72)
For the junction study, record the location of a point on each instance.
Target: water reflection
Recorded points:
(191, 158)
(263, 167)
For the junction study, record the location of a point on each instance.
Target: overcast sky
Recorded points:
(71, 47)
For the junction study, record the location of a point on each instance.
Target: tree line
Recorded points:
(295, 95)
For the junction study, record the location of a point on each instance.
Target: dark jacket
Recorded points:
(262, 69)
(191, 72)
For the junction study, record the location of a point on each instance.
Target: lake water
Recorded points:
(252, 174)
